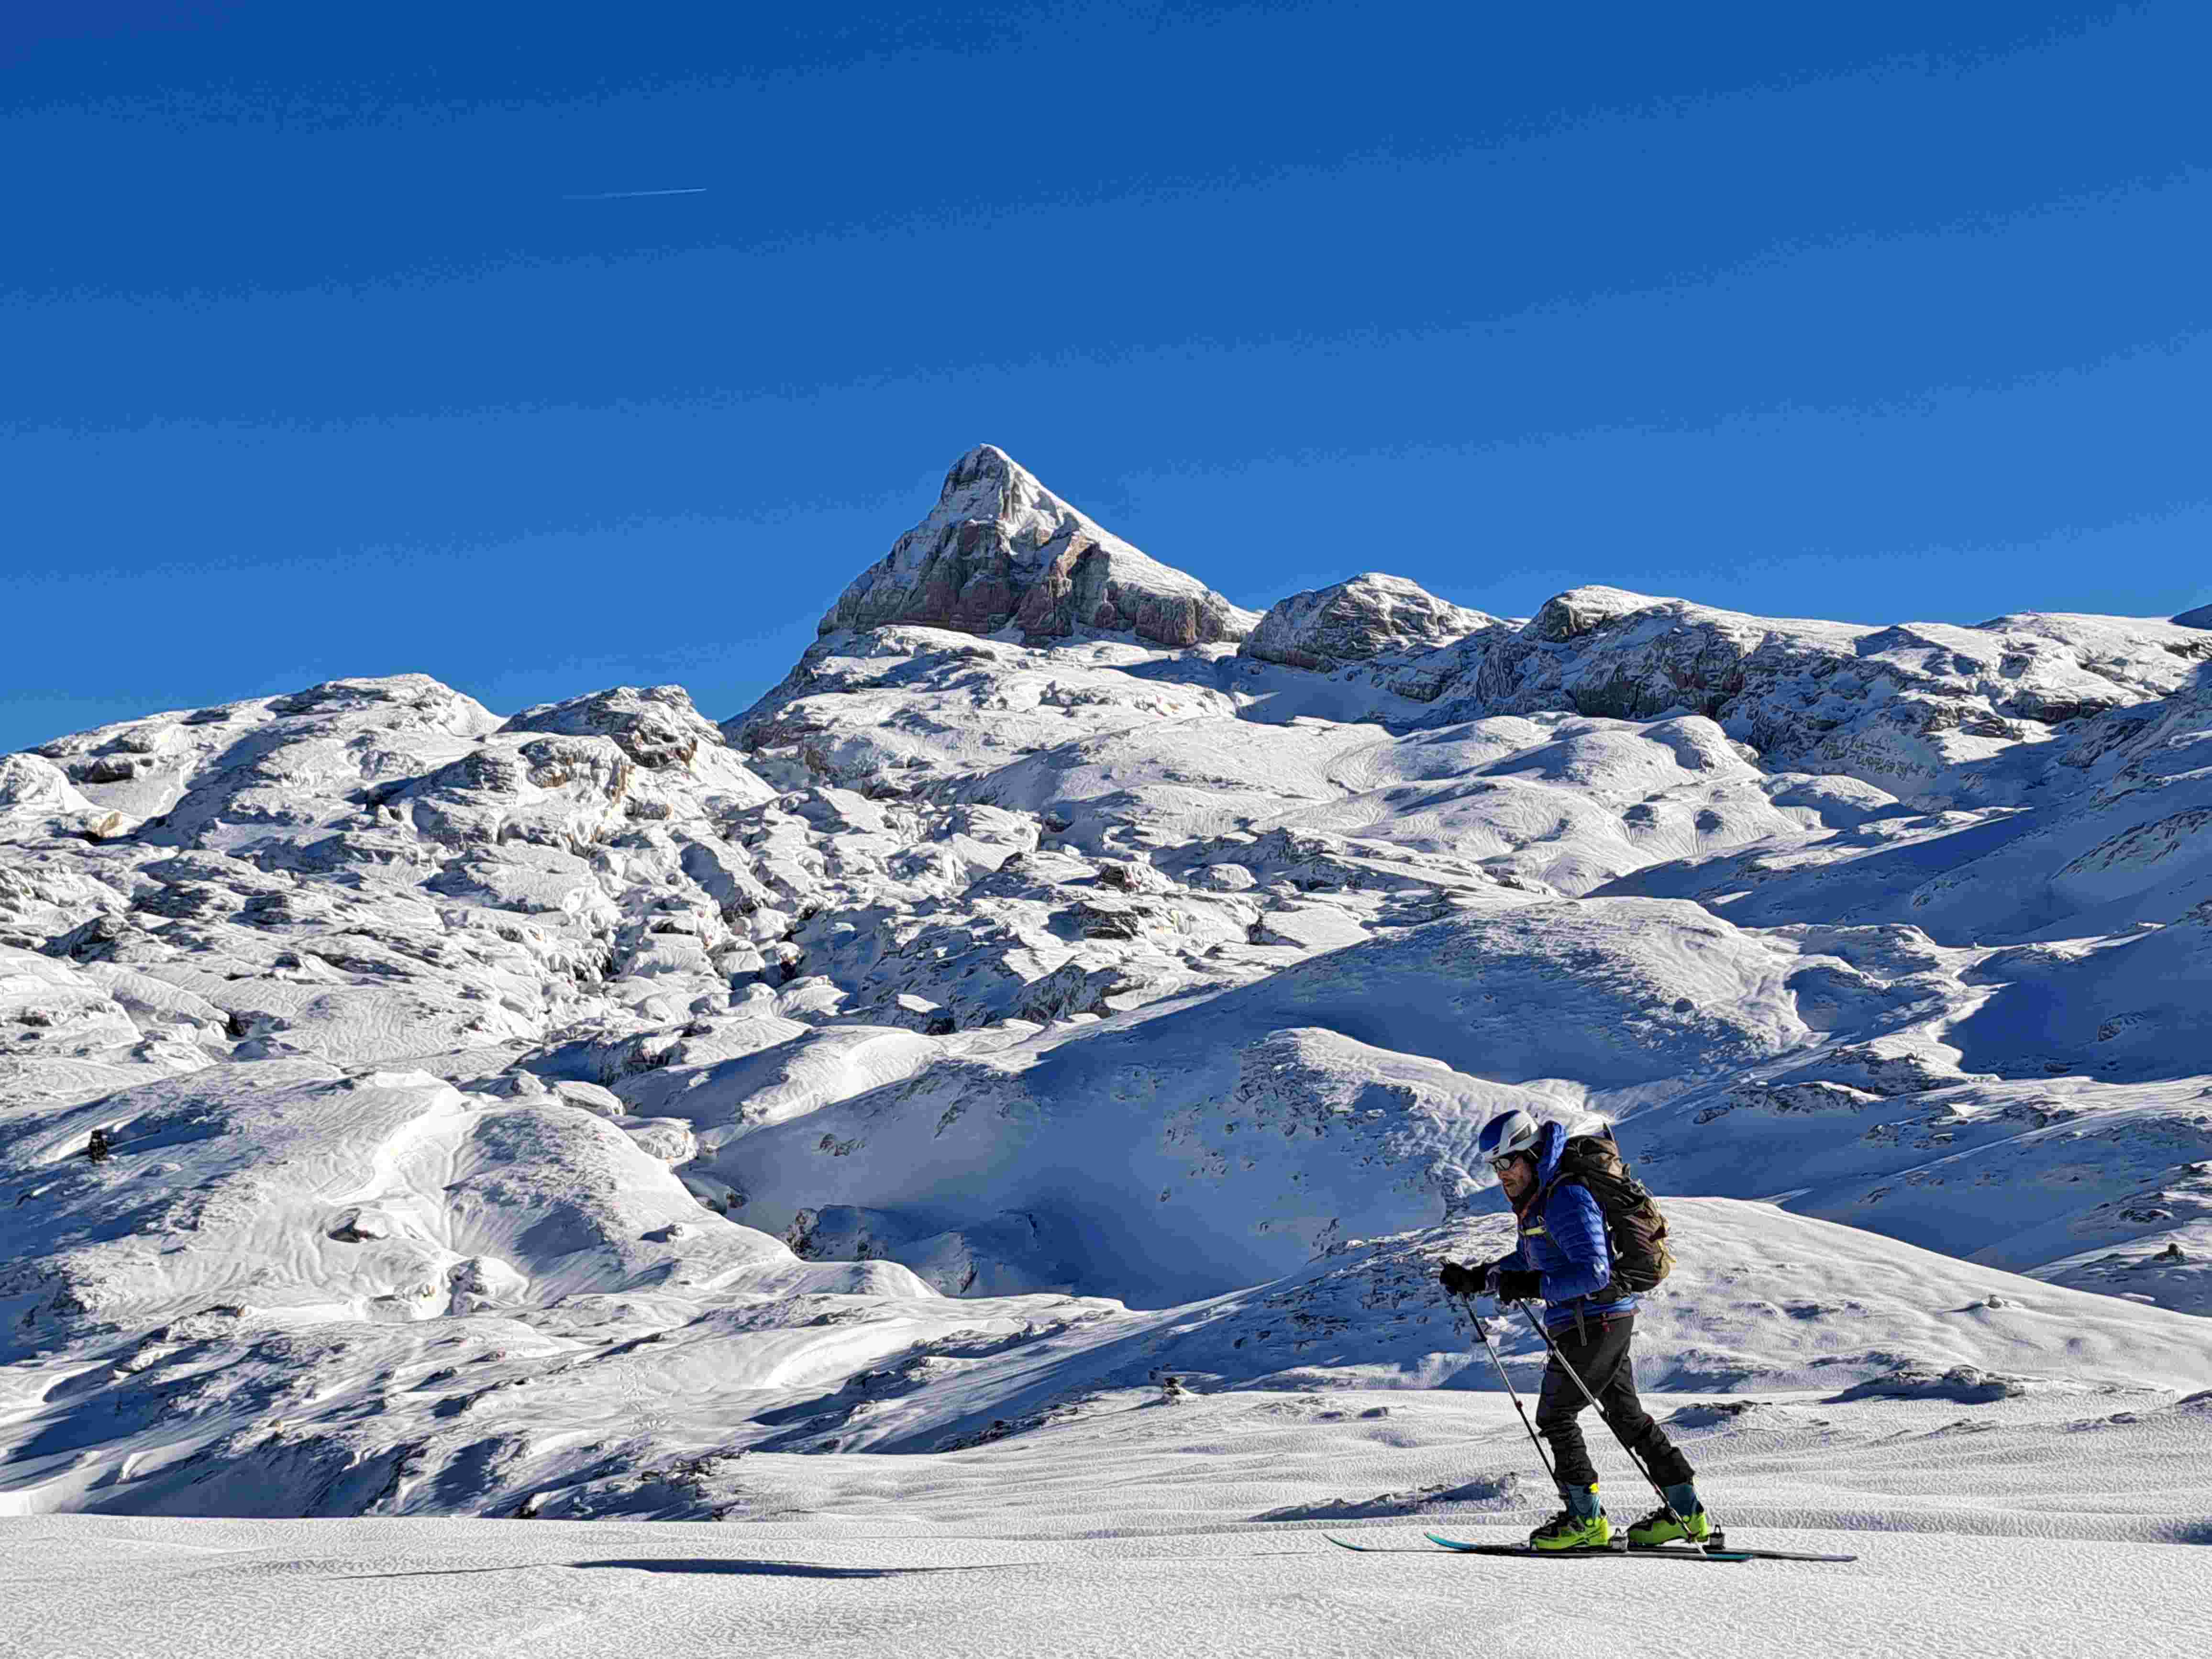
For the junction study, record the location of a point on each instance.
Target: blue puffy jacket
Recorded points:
(1564, 1240)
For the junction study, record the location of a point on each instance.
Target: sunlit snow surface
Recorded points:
(834, 1125)
(2015, 1528)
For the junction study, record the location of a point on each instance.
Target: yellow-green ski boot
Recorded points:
(1581, 1526)
(1694, 1527)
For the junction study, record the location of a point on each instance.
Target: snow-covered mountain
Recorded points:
(1065, 976)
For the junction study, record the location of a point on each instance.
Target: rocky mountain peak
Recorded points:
(999, 550)
(1371, 614)
(986, 483)
(1579, 610)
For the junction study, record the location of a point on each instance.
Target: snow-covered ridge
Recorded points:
(1064, 975)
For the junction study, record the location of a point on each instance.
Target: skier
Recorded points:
(1564, 1258)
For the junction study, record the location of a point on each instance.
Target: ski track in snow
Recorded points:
(820, 1134)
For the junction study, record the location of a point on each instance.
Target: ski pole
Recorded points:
(1574, 1376)
(1483, 1331)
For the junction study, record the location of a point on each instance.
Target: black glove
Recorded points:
(1459, 1279)
(1517, 1285)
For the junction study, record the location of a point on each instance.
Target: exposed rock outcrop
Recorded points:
(656, 726)
(1371, 616)
(1000, 550)
(1581, 610)
(1901, 707)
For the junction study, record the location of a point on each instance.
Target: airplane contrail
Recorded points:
(625, 194)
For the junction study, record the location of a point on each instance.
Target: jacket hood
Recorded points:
(1551, 1146)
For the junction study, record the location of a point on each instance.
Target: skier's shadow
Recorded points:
(758, 1569)
(714, 1565)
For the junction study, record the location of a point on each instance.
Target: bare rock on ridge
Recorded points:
(1370, 616)
(1581, 610)
(1000, 550)
(1904, 707)
(656, 726)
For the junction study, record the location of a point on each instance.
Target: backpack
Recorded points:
(1634, 1229)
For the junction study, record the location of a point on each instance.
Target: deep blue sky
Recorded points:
(312, 364)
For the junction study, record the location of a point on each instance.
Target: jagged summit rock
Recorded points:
(1370, 616)
(1581, 610)
(1000, 550)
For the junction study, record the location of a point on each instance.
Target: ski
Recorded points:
(1719, 1545)
(1718, 1550)
(1377, 1549)
(1731, 1553)
(1612, 1553)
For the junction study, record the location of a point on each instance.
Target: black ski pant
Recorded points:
(1599, 1352)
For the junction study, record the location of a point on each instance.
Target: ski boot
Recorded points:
(1658, 1528)
(1581, 1526)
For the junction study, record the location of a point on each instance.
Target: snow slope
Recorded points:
(373, 1588)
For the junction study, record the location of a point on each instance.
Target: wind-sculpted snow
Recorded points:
(1561, 801)
(389, 1196)
(912, 706)
(1174, 1159)
(669, 1386)
(1227, 1138)
(1040, 993)
(2124, 1011)
(1762, 1300)
(2118, 844)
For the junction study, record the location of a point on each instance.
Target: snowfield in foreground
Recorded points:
(842, 1120)
(2023, 1526)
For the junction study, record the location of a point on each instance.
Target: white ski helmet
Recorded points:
(1507, 1134)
